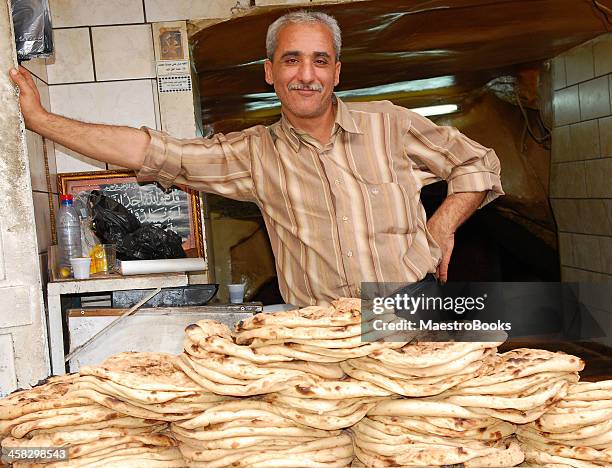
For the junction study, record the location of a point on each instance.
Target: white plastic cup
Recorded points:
(80, 267)
(236, 292)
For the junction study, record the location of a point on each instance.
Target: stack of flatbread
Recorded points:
(422, 368)
(144, 385)
(256, 434)
(49, 416)
(414, 432)
(317, 334)
(575, 432)
(216, 363)
(519, 386)
(327, 404)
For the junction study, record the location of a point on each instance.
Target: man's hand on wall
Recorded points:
(29, 98)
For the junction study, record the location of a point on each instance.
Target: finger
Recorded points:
(16, 77)
(443, 267)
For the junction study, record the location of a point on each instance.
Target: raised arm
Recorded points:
(119, 145)
(471, 171)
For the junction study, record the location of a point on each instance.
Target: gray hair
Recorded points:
(303, 16)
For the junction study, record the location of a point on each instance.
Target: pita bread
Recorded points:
(406, 387)
(50, 395)
(555, 392)
(309, 352)
(423, 354)
(334, 389)
(542, 458)
(491, 429)
(313, 316)
(303, 333)
(128, 393)
(54, 417)
(581, 387)
(143, 371)
(410, 407)
(524, 362)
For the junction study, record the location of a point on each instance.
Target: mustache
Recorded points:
(305, 87)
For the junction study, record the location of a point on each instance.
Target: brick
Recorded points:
(579, 64)
(561, 148)
(594, 98)
(598, 172)
(584, 140)
(566, 106)
(568, 180)
(566, 249)
(558, 73)
(602, 54)
(587, 254)
(605, 137)
(583, 216)
(605, 246)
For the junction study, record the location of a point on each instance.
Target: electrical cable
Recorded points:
(604, 10)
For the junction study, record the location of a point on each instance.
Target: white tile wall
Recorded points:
(164, 10)
(69, 13)
(72, 62)
(37, 67)
(71, 161)
(119, 103)
(41, 215)
(128, 103)
(123, 52)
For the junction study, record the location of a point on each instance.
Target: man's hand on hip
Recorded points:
(454, 210)
(446, 240)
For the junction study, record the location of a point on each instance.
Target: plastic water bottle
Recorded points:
(68, 232)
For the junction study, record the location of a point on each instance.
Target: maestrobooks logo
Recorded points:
(489, 312)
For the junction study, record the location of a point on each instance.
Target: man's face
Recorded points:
(304, 69)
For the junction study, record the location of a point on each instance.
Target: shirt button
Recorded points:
(345, 218)
(349, 253)
(375, 191)
(337, 181)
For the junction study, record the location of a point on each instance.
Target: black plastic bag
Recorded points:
(151, 242)
(112, 221)
(33, 30)
(115, 224)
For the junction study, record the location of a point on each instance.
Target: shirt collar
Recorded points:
(343, 120)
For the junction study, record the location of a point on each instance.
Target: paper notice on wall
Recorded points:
(172, 67)
(174, 84)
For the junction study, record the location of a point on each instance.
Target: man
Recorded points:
(338, 184)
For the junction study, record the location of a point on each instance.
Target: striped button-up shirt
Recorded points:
(341, 213)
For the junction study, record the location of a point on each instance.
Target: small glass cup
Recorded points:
(236, 292)
(110, 257)
(80, 267)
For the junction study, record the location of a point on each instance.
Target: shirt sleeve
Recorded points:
(220, 164)
(444, 153)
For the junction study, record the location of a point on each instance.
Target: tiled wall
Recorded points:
(103, 70)
(580, 190)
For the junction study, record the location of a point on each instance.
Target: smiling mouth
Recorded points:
(306, 89)
(306, 92)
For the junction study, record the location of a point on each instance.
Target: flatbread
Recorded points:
(143, 371)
